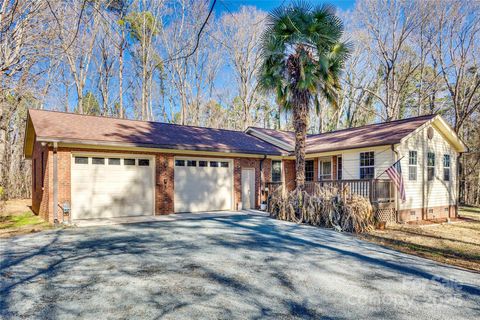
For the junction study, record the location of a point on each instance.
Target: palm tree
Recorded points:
(302, 60)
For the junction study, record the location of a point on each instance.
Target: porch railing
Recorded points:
(377, 190)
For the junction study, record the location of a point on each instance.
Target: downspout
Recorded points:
(397, 207)
(262, 178)
(55, 183)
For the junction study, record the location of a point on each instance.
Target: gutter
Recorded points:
(262, 176)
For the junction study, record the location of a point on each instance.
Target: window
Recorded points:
(309, 171)
(412, 165)
(367, 165)
(143, 162)
(179, 163)
(214, 164)
(325, 170)
(446, 167)
(129, 162)
(202, 163)
(114, 161)
(81, 160)
(98, 160)
(339, 168)
(224, 164)
(430, 166)
(276, 171)
(191, 163)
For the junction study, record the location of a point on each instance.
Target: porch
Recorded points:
(380, 192)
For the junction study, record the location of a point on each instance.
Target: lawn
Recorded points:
(456, 243)
(17, 218)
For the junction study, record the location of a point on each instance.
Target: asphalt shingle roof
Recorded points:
(69, 126)
(366, 136)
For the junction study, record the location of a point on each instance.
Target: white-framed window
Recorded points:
(143, 162)
(276, 170)
(128, 162)
(412, 165)
(367, 165)
(446, 167)
(191, 163)
(81, 160)
(113, 161)
(179, 163)
(325, 170)
(430, 166)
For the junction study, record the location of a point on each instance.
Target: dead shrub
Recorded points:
(325, 207)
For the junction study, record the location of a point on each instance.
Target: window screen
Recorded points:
(412, 165)
(430, 166)
(98, 160)
(129, 162)
(339, 168)
(81, 160)
(309, 171)
(446, 167)
(114, 161)
(276, 171)
(143, 162)
(367, 165)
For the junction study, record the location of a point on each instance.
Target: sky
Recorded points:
(267, 5)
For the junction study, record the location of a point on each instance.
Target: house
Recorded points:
(97, 167)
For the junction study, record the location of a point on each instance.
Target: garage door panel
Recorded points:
(203, 188)
(100, 191)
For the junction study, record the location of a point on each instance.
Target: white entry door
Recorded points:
(248, 188)
(112, 186)
(203, 184)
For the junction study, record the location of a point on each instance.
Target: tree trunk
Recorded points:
(300, 113)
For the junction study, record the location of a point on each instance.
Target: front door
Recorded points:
(248, 188)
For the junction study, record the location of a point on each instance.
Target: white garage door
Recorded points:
(203, 185)
(112, 186)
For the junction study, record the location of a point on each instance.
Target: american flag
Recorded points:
(395, 173)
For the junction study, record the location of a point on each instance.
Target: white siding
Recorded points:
(351, 161)
(437, 192)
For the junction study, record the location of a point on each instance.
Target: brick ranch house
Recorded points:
(87, 167)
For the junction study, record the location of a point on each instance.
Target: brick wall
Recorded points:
(440, 212)
(164, 179)
(289, 173)
(39, 187)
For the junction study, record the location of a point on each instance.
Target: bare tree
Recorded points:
(456, 53)
(242, 50)
(390, 25)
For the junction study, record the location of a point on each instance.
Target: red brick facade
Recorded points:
(42, 198)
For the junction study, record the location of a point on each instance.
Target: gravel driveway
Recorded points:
(237, 266)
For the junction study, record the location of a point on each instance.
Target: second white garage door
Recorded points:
(203, 185)
(105, 186)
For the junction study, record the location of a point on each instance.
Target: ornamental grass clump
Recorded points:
(326, 207)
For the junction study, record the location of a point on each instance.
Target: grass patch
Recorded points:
(456, 243)
(16, 219)
(21, 220)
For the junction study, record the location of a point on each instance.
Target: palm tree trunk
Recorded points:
(300, 114)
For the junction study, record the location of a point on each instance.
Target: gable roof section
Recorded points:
(371, 135)
(52, 126)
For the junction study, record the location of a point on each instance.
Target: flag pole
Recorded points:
(389, 167)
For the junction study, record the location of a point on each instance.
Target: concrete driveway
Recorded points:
(238, 266)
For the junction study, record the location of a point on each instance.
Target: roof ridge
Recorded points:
(374, 124)
(352, 128)
(133, 120)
